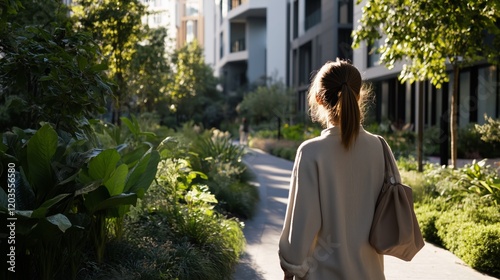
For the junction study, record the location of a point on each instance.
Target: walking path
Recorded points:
(260, 260)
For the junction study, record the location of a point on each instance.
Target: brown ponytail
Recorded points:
(336, 97)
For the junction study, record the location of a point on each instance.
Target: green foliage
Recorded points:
(150, 71)
(117, 27)
(490, 131)
(217, 157)
(425, 34)
(473, 236)
(193, 92)
(50, 76)
(45, 189)
(267, 103)
(427, 215)
(474, 183)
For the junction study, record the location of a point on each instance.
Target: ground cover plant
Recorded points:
(459, 210)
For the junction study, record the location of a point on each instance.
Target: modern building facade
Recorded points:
(319, 31)
(479, 92)
(249, 41)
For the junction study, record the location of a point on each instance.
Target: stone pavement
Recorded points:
(260, 260)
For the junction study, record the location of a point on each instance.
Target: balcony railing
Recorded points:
(238, 45)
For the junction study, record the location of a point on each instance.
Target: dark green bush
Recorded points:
(427, 215)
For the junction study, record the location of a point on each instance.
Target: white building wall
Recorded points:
(277, 47)
(256, 46)
(266, 44)
(209, 16)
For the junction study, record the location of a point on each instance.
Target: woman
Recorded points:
(335, 183)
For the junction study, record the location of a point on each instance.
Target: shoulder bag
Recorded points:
(395, 230)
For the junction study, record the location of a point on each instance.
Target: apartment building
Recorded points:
(319, 30)
(479, 92)
(249, 41)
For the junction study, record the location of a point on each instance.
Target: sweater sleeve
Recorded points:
(303, 217)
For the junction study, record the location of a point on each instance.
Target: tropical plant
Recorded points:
(46, 192)
(428, 36)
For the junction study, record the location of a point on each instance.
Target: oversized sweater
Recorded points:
(331, 203)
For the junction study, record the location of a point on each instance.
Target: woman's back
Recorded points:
(348, 185)
(334, 186)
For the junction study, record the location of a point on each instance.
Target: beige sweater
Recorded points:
(330, 209)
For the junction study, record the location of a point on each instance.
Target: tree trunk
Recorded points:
(420, 125)
(454, 115)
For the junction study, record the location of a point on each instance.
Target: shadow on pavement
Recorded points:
(246, 270)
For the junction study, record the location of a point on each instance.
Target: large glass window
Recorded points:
(313, 13)
(487, 94)
(464, 100)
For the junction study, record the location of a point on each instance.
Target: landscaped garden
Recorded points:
(457, 209)
(114, 169)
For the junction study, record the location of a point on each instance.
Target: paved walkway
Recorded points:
(260, 260)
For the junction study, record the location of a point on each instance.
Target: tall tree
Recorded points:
(150, 71)
(427, 36)
(117, 26)
(193, 89)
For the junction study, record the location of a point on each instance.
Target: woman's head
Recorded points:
(337, 96)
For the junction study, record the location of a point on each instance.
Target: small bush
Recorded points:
(473, 235)
(427, 215)
(481, 248)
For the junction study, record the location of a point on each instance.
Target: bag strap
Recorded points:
(390, 168)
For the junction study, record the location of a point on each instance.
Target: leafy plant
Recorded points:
(118, 188)
(51, 77)
(46, 191)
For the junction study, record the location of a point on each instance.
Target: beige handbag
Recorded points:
(395, 229)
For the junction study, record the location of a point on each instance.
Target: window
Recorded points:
(487, 94)
(313, 13)
(344, 43)
(191, 8)
(373, 56)
(345, 11)
(295, 19)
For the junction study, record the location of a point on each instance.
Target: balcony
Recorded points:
(238, 45)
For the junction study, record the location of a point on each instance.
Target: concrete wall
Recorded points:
(256, 46)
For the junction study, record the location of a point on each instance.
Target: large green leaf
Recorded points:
(59, 220)
(94, 198)
(118, 200)
(41, 148)
(116, 182)
(143, 174)
(41, 211)
(101, 166)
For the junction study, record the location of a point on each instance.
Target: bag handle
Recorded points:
(391, 170)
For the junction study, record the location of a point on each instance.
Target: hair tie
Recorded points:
(343, 84)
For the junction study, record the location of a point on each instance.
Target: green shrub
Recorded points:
(293, 132)
(480, 248)
(473, 235)
(427, 214)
